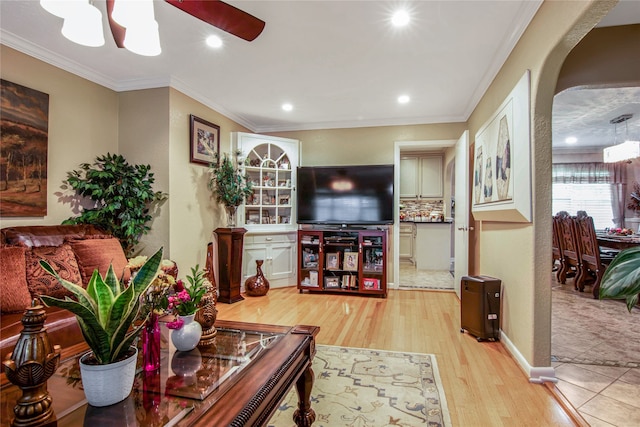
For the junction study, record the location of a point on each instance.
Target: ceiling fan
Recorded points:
(214, 12)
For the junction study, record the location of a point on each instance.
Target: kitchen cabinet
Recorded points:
(407, 241)
(433, 245)
(421, 176)
(278, 252)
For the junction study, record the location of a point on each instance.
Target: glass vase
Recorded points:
(151, 344)
(231, 216)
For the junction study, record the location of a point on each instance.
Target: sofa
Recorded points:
(74, 251)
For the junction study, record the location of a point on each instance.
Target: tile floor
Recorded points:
(596, 354)
(411, 278)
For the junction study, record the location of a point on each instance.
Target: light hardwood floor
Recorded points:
(483, 384)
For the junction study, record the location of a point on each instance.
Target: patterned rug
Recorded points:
(371, 388)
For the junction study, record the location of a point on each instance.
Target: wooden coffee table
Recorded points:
(237, 381)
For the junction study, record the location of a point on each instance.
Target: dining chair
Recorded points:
(594, 262)
(571, 264)
(556, 250)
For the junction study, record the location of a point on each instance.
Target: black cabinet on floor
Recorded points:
(480, 307)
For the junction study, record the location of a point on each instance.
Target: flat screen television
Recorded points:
(345, 195)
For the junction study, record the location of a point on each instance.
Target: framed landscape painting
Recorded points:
(502, 165)
(24, 130)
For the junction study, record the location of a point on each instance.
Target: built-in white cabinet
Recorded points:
(421, 176)
(407, 241)
(270, 164)
(269, 213)
(278, 252)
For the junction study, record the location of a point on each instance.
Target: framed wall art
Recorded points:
(24, 126)
(204, 141)
(502, 161)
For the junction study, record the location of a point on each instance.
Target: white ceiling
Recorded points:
(340, 63)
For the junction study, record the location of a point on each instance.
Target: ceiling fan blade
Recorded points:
(224, 16)
(117, 30)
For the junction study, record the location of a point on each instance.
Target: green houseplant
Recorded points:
(621, 279)
(107, 312)
(230, 186)
(122, 195)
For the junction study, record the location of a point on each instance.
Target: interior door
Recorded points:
(461, 219)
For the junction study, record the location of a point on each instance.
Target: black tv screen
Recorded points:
(345, 195)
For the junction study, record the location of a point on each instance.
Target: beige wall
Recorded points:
(194, 213)
(370, 145)
(83, 123)
(526, 303)
(143, 136)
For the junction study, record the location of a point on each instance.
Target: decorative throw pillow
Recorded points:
(99, 253)
(13, 280)
(63, 261)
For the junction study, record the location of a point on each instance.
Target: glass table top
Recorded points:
(184, 382)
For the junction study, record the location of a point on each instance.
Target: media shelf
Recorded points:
(343, 261)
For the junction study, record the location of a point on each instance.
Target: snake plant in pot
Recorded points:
(107, 312)
(621, 279)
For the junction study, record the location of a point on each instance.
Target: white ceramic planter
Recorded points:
(105, 385)
(187, 337)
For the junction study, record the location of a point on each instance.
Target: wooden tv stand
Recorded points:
(352, 261)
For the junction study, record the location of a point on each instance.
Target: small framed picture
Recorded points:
(331, 282)
(333, 261)
(370, 284)
(350, 261)
(204, 141)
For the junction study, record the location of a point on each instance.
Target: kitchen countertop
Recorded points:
(426, 222)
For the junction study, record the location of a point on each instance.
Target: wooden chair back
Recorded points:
(567, 239)
(589, 253)
(556, 250)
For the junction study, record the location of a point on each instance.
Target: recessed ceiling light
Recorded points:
(287, 107)
(214, 41)
(403, 99)
(400, 18)
(571, 140)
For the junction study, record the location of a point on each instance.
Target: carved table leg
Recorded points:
(304, 415)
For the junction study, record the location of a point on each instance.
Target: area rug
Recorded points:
(371, 388)
(591, 331)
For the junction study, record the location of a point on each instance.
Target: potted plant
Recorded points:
(230, 186)
(107, 312)
(621, 280)
(122, 195)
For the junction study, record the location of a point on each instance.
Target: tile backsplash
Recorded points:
(419, 210)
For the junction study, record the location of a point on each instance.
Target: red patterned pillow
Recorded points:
(13, 280)
(63, 261)
(99, 253)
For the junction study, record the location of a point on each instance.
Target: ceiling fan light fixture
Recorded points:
(59, 8)
(83, 25)
(143, 38)
(129, 12)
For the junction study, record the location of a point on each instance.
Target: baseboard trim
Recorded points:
(537, 374)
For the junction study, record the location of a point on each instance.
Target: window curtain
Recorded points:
(614, 174)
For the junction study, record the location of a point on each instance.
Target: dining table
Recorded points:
(618, 241)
